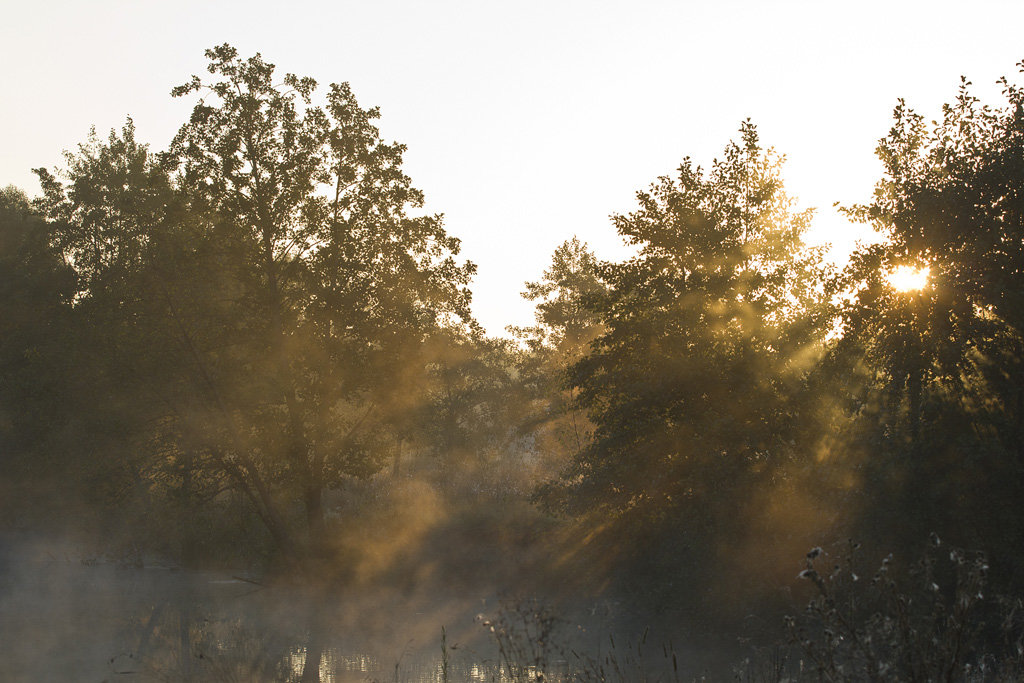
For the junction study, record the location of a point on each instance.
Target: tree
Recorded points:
(566, 324)
(345, 278)
(153, 290)
(565, 318)
(695, 387)
(938, 399)
(36, 289)
(473, 424)
(274, 254)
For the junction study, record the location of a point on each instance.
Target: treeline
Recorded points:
(254, 346)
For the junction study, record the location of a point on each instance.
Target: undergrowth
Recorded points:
(931, 620)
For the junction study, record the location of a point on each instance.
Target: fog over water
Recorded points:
(67, 616)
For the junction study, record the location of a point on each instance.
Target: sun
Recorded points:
(908, 278)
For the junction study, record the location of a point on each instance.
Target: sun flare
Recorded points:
(908, 278)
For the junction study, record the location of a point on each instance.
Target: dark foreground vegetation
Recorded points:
(253, 352)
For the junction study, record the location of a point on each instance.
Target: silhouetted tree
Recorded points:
(694, 387)
(264, 280)
(36, 289)
(565, 296)
(935, 373)
(567, 321)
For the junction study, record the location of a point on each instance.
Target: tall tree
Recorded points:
(36, 289)
(939, 396)
(345, 277)
(565, 295)
(275, 253)
(567, 321)
(695, 386)
(153, 323)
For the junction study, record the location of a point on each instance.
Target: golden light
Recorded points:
(908, 278)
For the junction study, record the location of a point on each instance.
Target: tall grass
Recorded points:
(930, 620)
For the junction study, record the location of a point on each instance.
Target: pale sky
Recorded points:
(527, 122)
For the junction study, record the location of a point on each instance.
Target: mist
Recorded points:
(252, 431)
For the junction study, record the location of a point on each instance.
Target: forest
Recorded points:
(253, 352)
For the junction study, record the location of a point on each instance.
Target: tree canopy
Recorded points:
(687, 386)
(264, 284)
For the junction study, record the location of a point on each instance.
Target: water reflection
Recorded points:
(104, 623)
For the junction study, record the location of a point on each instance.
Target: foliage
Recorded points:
(926, 624)
(255, 298)
(691, 384)
(471, 423)
(947, 203)
(931, 377)
(35, 287)
(565, 296)
(348, 281)
(566, 324)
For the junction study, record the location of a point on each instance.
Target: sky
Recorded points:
(527, 123)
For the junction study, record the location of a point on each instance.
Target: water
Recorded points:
(61, 619)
